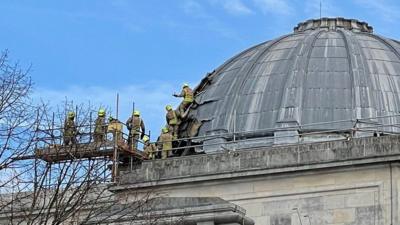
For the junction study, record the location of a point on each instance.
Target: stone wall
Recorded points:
(343, 182)
(263, 161)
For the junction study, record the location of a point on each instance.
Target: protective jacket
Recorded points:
(166, 141)
(100, 125)
(135, 125)
(69, 128)
(149, 150)
(187, 94)
(172, 117)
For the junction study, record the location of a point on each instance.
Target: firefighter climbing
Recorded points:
(188, 98)
(173, 121)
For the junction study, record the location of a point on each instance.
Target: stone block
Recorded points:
(313, 181)
(334, 202)
(360, 199)
(367, 216)
(343, 215)
(273, 184)
(284, 219)
(262, 220)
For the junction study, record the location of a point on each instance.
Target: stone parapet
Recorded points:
(262, 161)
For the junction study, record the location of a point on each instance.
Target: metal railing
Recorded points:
(266, 135)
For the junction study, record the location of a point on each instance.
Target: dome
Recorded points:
(330, 74)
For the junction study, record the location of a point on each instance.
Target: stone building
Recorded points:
(302, 129)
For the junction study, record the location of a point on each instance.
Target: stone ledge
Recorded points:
(176, 210)
(263, 161)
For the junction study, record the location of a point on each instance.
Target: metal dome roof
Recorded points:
(331, 69)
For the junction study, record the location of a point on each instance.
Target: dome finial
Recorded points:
(332, 24)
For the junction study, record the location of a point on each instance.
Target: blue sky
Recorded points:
(88, 50)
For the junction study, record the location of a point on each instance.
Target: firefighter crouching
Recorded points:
(115, 127)
(149, 149)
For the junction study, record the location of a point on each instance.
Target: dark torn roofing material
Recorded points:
(327, 70)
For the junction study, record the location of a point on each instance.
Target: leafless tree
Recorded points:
(17, 123)
(62, 186)
(17, 113)
(38, 188)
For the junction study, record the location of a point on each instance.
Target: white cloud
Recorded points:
(234, 7)
(274, 6)
(209, 22)
(195, 9)
(385, 9)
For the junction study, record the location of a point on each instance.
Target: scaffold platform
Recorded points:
(59, 153)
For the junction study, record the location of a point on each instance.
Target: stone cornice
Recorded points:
(262, 161)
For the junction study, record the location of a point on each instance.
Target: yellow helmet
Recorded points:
(101, 112)
(185, 85)
(165, 130)
(146, 138)
(168, 107)
(71, 115)
(136, 113)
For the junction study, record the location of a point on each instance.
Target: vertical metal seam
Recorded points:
(301, 105)
(367, 74)
(316, 35)
(386, 42)
(200, 87)
(252, 66)
(231, 60)
(350, 67)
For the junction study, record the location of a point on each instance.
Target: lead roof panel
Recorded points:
(309, 77)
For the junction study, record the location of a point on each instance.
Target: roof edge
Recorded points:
(334, 23)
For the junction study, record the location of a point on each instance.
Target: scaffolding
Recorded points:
(49, 147)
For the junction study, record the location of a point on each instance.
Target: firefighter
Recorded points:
(188, 98)
(173, 120)
(70, 130)
(136, 129)
(115, 127)
(100, 127)
(149, 149)
(165, 141)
